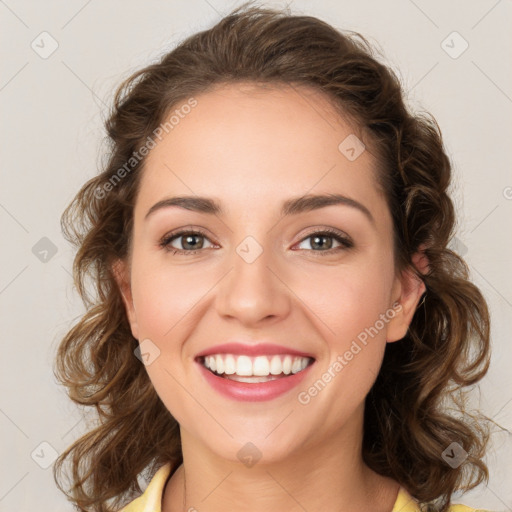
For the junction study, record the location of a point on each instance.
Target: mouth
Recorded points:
(247, 369)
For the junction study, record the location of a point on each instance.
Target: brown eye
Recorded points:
(190, 242)
(322, 241)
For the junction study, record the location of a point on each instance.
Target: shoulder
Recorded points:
(151, 499)
(406, 503)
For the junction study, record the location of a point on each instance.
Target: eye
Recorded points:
(191, 241)
(322, 241)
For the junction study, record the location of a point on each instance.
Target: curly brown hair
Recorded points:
(407, 422)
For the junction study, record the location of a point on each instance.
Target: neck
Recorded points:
(323, 476)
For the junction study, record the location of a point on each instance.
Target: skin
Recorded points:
(251, 148)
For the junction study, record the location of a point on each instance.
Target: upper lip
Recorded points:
(253, 349)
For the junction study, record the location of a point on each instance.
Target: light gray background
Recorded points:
(51, 133)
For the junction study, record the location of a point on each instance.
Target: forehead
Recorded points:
(250, 145)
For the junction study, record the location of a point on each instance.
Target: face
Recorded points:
(312, 285)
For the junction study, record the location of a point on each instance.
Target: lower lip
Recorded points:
(257, 392)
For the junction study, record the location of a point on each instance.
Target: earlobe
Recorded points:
(411, 289)
(121, 275)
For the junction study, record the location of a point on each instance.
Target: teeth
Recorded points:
(229, 365)
(276, 367)
(244, 366)
(219, 364)
(287, 365)
(260, 366)
(252, 380)
(296, 365)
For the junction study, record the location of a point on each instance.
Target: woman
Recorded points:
(279, 324)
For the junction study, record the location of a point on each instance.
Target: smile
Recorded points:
(253, 378)
(263, 368)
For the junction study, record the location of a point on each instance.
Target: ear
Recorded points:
(407, 291)
(121, 273)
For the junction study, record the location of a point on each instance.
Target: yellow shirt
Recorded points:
(151, 500)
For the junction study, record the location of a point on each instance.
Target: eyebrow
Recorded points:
(293, 206)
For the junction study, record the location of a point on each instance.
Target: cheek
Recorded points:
(349, 316)
(165, 298)
(346, 300)
(348, 303)
(164, 302)
(168, 302)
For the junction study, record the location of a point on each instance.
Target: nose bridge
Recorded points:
(252, 291)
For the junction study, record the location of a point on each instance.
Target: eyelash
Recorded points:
(345, 242)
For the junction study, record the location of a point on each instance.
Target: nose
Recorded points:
(254, 291)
